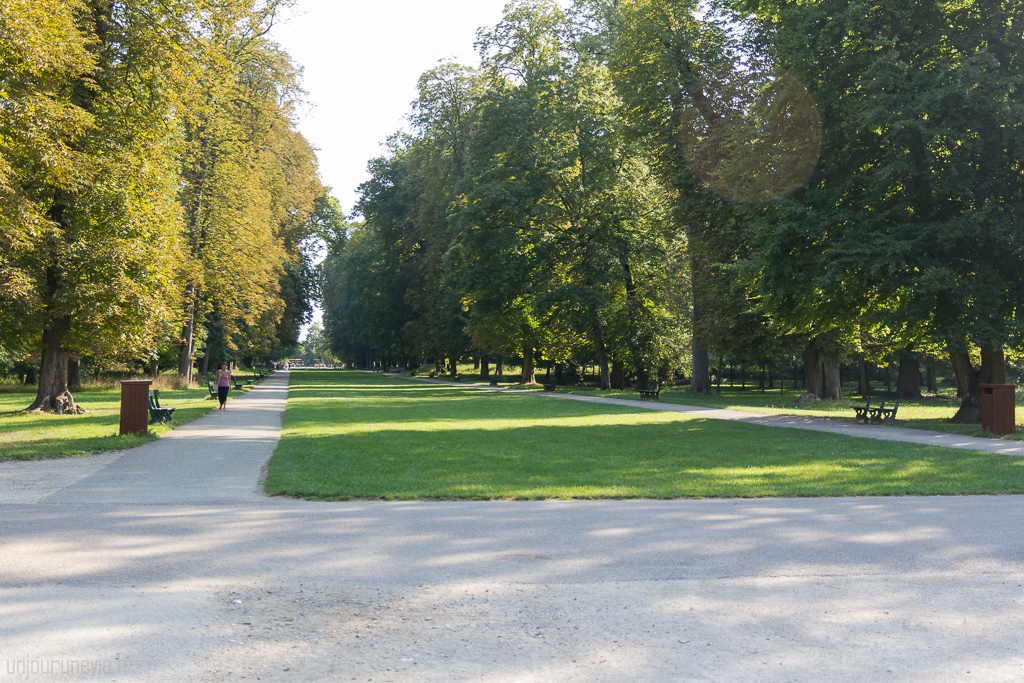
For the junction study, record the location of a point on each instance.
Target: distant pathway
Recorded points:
(813, 424)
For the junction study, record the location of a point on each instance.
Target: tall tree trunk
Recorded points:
(862, 381)
(454, 362)
(53, 370)
(832, 380)
(602, 356)
(933, 380)
(701, 381)
(633, 306)
(993, 366)
(967, 387)
(529, 371)
(485, 368)
(813, 377)
(188, 335)
(74, 374)
(618, 378)
(909, 382)
(968, 380)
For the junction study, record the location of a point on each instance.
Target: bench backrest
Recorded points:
(154, 398)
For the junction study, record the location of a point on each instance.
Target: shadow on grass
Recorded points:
(378, 438)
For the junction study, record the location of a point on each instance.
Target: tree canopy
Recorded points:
(151, 180)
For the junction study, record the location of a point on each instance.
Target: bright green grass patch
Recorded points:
(357, 435)
(929, 412)
(27, 436)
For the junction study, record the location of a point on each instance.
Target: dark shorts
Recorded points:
(222, 394)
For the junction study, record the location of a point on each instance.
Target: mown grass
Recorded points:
(930, 412)
(357, 435)
(29, 436)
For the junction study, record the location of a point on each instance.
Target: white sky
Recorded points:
(362, 60)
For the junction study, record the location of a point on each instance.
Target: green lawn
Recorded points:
(26, 436)
(930, 412)
(358, 435)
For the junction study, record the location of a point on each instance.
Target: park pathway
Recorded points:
(924, 437)
(166, 564)
(218, 458)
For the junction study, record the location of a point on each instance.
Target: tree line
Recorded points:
(156, 200)
(653, 185)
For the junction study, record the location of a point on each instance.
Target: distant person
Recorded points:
(223, 385)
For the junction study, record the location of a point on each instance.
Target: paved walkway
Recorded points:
(218, 458)
(167, 564)
(814, 424)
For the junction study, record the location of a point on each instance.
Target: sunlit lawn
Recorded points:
(24, 436)
(352, 434)
(930, 412)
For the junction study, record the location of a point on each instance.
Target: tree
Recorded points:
(558, 216)
(100, 246)
(666, 57)
(251, 186)
(912, 216)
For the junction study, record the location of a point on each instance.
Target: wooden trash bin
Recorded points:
(998, 409)
(135, 406)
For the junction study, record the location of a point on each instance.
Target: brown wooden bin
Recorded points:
(135, 406)
(998, 409)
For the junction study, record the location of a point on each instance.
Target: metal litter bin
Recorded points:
(135, 406)
(998, 408)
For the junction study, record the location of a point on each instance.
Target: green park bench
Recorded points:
(653, 390)
(869, 413)
(550, 386)
(157, 413)
(212, 386)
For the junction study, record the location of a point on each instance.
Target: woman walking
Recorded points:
(223, 385)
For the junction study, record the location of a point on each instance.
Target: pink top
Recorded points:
(223, 378)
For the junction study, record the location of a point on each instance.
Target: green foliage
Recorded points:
(912, 218)
(646, 181)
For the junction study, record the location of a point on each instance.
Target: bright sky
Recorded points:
(362, 60)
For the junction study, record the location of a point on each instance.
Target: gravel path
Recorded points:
(167, 564)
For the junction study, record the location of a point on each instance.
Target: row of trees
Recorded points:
(155, 197)
(646, 184)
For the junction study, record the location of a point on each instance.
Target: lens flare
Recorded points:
(756, 143)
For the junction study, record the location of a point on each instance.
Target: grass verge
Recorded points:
(928, 412)
(357, 435)
(29, 436)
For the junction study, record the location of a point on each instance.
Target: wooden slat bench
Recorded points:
(879, 412)
(653, 390)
